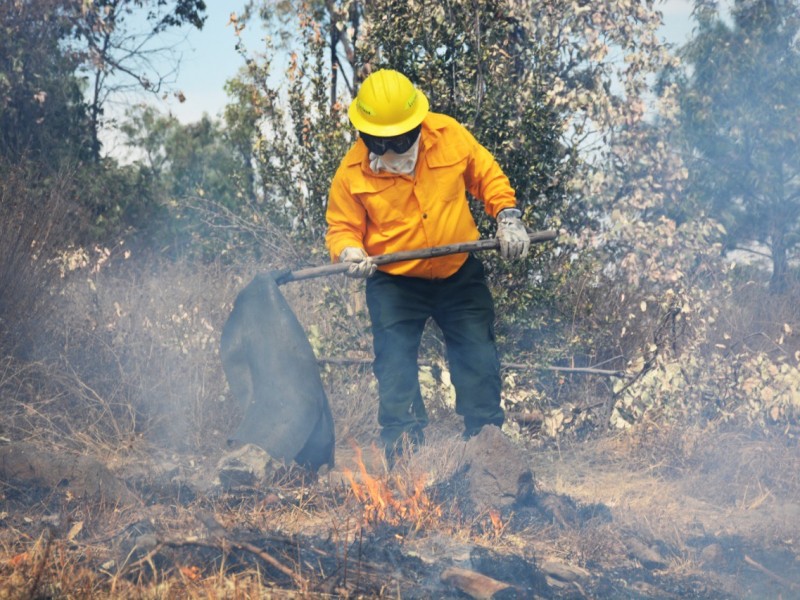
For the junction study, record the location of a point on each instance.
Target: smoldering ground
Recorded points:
(657, 512)
(115, 409)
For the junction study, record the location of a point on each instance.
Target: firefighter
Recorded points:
(402, 186)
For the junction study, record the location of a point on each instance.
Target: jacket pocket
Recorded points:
(381, 198)
(445, 176)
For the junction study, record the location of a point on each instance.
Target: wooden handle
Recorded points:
(393, 257)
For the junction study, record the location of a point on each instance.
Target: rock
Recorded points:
(561, 574)
(473, 584)
(713, 554)
(557, 509)
(247, 466)
(522, 574)
(496, 471)
(648, 555)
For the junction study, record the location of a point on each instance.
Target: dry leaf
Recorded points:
(191, 573)
(19, 559)
(76, 528)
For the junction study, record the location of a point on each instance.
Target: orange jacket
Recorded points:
(383, 212)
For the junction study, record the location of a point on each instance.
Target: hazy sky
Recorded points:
(209, 57)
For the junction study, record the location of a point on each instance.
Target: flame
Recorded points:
(392, 499)
(497, 522)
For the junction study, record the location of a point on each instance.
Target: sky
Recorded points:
(209, 57)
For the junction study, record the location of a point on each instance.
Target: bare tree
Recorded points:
(122, 46)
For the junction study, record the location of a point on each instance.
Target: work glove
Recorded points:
(513, 237)
(361, 265)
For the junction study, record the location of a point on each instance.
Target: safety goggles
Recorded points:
(396, 143)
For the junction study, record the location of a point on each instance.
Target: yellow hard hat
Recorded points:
(387, 104)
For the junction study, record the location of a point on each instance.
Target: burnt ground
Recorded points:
(660, 515)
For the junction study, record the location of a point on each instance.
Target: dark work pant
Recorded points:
(462, 307)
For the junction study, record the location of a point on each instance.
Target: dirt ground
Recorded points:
(718, 520)
(678, 514)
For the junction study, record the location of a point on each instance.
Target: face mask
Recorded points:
(392, 162)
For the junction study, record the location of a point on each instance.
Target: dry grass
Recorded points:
(34, 220)
(129, 356)
(131, 376)
(721, 484)
(648, 503)
(755, 320)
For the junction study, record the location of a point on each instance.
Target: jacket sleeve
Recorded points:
(485, 179)
(346, 217)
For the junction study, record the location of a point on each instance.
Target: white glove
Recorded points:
(361, 265)
(514, 240)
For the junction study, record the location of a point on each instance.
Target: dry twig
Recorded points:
(782, 580)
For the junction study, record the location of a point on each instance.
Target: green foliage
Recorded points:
(477, 63)
(622, 286)
(121, 201)
(480, 64)
(298, 136)
(740, 116)
(558, 91)
(195, 169)
(42, 111)
(45, 48)
(738, 103)
(118, 54)
(720, 376)
(559, 94)
(188, 160)
(54, 53)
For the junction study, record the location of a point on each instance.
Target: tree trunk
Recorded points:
(334, 39)
(780, 263)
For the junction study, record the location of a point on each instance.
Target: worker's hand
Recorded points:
(511, 232)
(361, 265)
